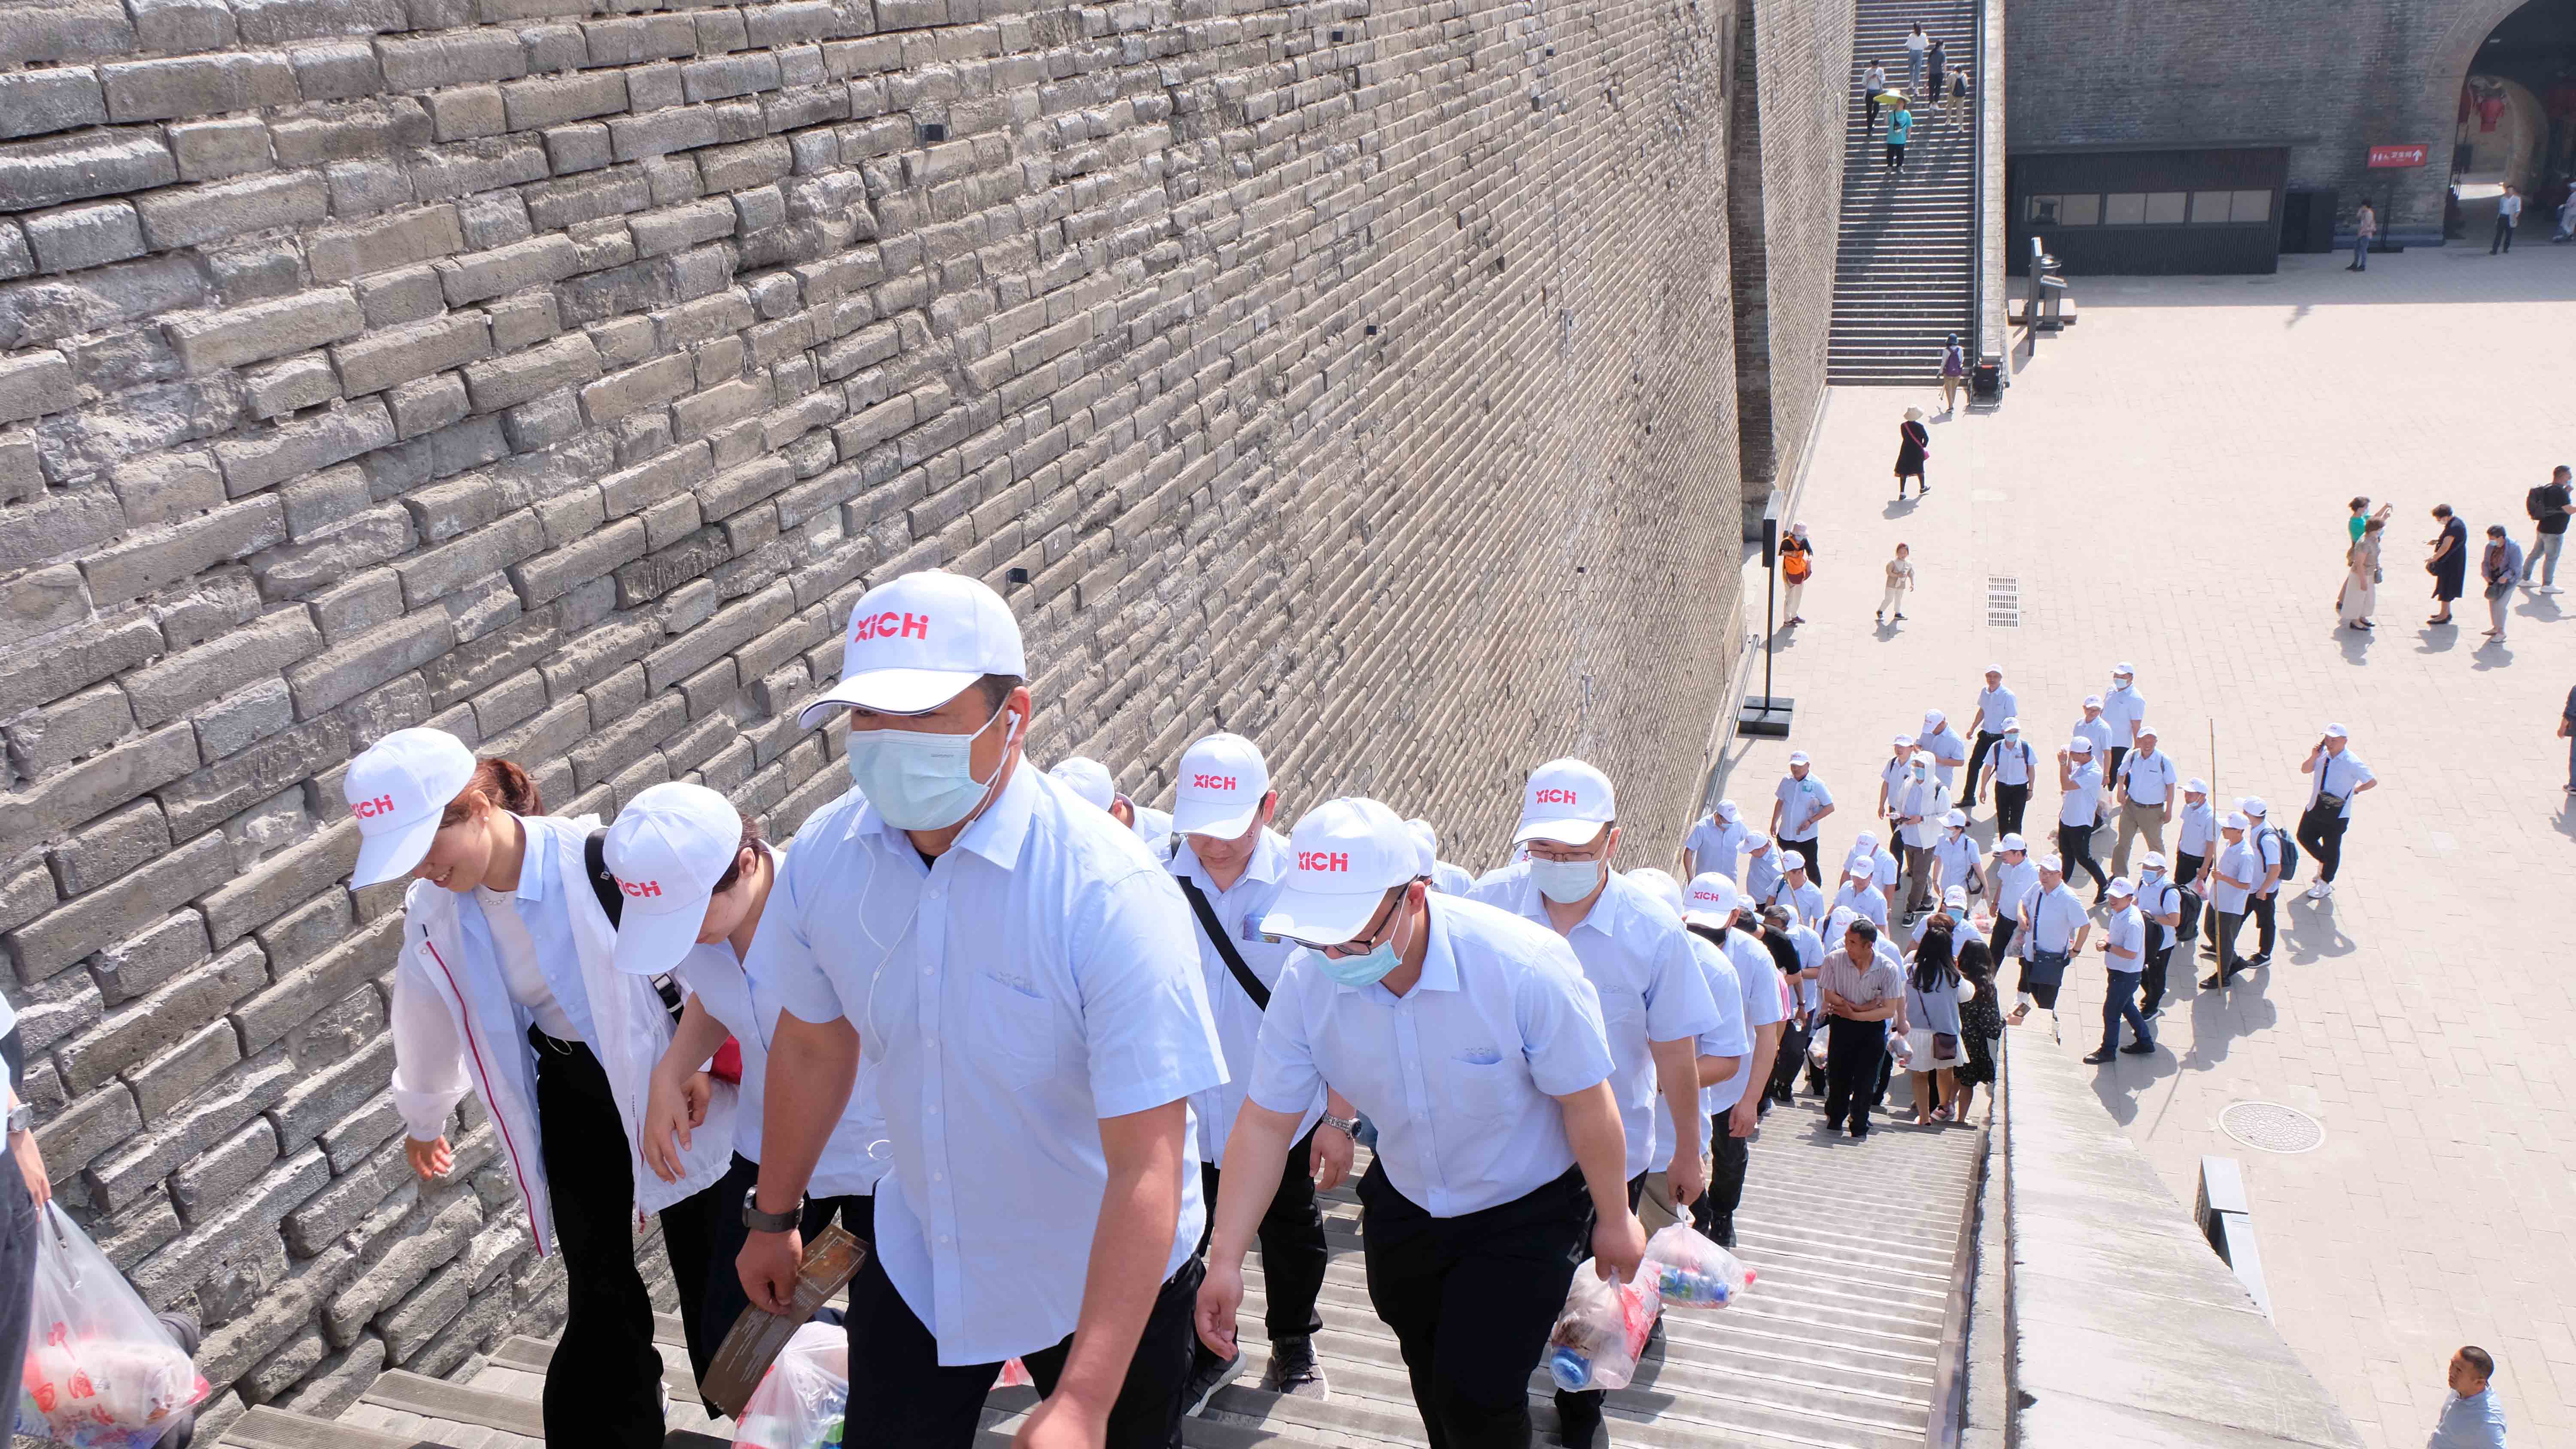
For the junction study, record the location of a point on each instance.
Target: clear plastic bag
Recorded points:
(1689, 1271)
(1601, 1332)
(1015, 1375)
(801, 1399)
(101, 1372)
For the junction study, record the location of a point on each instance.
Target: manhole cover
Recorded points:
(2271, 1127)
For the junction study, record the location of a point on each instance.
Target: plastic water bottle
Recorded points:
(1572, 1370)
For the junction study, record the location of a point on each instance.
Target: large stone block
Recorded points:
(85, 163)
(266, 329)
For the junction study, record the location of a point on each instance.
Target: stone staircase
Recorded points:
(1908, 247)
(1838, 1346)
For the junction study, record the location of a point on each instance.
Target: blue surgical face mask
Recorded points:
(921, 781)
(1565, 881)
(1366, 969)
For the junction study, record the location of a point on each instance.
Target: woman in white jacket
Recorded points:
(696, 877)
(505, 986)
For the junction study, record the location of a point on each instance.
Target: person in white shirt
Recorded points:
(1230, 866)
(2160, 904)
(1917, 45)
(694, 878)
(1918, 815)
(2012, 878)
(2124, 956)
(2227, 883)
(1450, 880)
(1715, 843)
(1883, 876)
(2008, 771)
(1762, 857)
(2146, 779)
(1949, 752)
(2271, 845)
(2053, 928)
(1995, 705)
(1872, 82)
(505, 986)
(2508, 214)
(1893, 772)
(1473, 1040)
(2079, 807)
(1954, 859)
(1722, 1052)
(1797, 807)
(2124, 710)
(1655, 1002)
(2097, 727)
(1092, 781)
(1714, 914)
(1858, 895)
(1019, 967)
(2340, 776)
(2195, 840)
(1802, 896)
(1808, 946)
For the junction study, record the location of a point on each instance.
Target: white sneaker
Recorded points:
(2551, 589)
(2321, 890)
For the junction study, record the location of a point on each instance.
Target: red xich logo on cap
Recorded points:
(1323, 860)
(370, 809)
(1213, 782)
(640, 888)
(1556, 797)
(891, 625)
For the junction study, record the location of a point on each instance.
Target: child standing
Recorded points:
(1900, 577)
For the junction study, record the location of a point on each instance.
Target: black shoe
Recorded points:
(2212, 983)
(1293, 1369)
(1833, 1124)
(2139, 1049)
(2097, 1056)
(1578, 1421)
(2259, 958)
(1208, 1373)
(1859, 1130)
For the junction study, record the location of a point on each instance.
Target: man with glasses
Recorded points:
(1655, 1001)
(1473, 1040)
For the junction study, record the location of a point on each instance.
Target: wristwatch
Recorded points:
(21, 1118)
(761, 1222)
(1343, 1125)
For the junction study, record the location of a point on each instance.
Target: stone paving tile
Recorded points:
(2167, 484)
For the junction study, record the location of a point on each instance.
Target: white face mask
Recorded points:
(1565, 881)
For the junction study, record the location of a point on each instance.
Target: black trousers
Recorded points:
(2075, 843)
(2186, 870)
(2503, 236)
(1869, 122)
(1471, 1300)
(2264, 910)
(902, 1397)
(1806, 850)
(604, 1386)
(1293, 1256)
(2152, 980)
(2321, 835)
(1855, 1051)
(1784, 1066)
(1896, 162)
(2010, 802)
(722, 1300)
(1582, 1406)
(1999, 938)
(2111, 773)
(1986, 740)
(1714, 1213)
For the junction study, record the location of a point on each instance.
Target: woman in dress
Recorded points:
(2360, 596)
(1981, 1025)
(1932, 1010)
(1913, 445)
(2449, 564)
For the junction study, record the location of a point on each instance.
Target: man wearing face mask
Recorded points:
(1230, 865)
(1473, 1040)
(1018, 967)
(1655, 1001)
(1920, 807)
(2008, 774)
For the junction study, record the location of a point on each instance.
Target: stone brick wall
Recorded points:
(1793, 69)
(2327, 81)
(558, 372)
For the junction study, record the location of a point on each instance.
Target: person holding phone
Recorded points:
(2341, 775)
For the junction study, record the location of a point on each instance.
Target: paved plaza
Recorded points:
(2166, 486)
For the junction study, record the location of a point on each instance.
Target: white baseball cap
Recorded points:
(1728, 811)
(2051, 862)
(1797, 757)
(2153, 861)
(397, 789)
(2092, 701)
(1343, 858)
(1994, 669)
(1657, 883)
(1223, 778)
(1956, 819)
(2079, 746)
(1711, 900)
(1863, 842)
(2122, 670)
(2012, 724)
(1567, 802)
(2012, 842)
(1761, 843)
(1087, 778)
(1428, 840)
(2235, 821)
(2145, 730)
(1956, 895)
(1864, 868)
(1902, 742)
(668, 848)
(2253, 805)
(1934, 718)
(2195, 786)
(915, 642)
(2335, 732)
(2121, 889)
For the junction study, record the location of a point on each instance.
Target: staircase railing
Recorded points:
(1986, 290)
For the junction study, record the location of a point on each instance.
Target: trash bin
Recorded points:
(1986, 383)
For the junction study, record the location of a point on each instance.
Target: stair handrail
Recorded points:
(1993, 332)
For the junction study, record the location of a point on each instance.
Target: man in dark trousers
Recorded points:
(1860, 992)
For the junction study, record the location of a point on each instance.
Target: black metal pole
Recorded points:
(1770, 630)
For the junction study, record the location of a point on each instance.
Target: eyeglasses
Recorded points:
(1366, 940)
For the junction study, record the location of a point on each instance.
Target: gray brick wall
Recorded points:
(1355, 375)
(2327, 81)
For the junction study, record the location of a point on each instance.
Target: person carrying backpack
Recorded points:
(2280, 861)
(2549, 504)
(1797, 565)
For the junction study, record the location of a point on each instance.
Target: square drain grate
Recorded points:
(2003, 602)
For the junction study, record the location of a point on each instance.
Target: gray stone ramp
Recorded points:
(1837, 1347)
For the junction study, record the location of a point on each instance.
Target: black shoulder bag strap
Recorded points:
(603, 886)
(1224, 944)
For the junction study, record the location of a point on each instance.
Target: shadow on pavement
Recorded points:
(2312, 930)
(2222, 1014)
(2355, 644)
(2492, 654)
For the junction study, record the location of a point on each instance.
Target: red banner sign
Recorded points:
(2399, 155)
